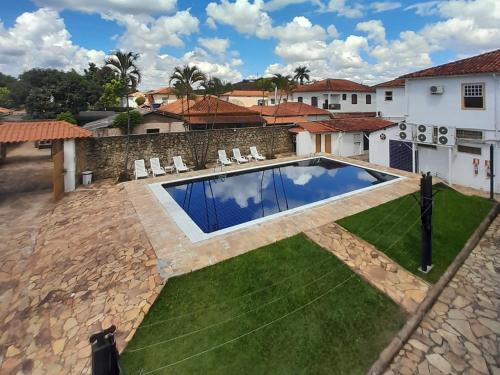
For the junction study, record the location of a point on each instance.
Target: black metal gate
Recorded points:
(401, 155)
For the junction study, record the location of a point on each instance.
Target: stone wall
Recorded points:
(105, 155)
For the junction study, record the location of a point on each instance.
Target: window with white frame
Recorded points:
(473, 95)
(388, 96)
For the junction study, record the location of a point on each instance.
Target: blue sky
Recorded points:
(234, 39)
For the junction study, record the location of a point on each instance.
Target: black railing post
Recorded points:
(104, 353)
(426, 222)
(492, 172)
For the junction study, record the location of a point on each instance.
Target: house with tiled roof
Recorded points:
(452, 123)
(246, 98)
(336, 95)
(291, 112)
(391, 99)
(163, 95)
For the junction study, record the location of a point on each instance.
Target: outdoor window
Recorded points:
(473, 96)
(368, 99)
(344, 96)
(469, 149)
(273, 101)
(152, 131)
(300, 99)
(388, 96)
(314, 101)
(354, 99)
(469, 134)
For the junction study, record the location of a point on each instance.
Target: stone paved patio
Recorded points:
(374, 266)
(461, 333)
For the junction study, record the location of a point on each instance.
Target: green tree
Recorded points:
(265, 85)
(5, 99)
(124, 65)
(40, 103)
(112, 91)
(122, 120)
(301, 74)
(66, 116)
(140, 100)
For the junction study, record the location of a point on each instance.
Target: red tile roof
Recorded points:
(238, 93)
(177, 107)
(354, 114)
(334, 85)
(162, 91)
(210, 104)
(398, 82)
(290, 109)
(488, 62)
(5, 110)
(225, 119)
(284, 120)
(42, 130)
(343, 125)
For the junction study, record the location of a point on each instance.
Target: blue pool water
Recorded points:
(219, 202)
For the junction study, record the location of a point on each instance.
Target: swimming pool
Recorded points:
(214, 204)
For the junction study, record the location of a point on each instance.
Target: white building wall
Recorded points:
(379, 148)
(347, 144)
(391, 110)
(69, 153)
(345, 105)
(304, 143)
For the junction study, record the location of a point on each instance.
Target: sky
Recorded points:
(369, 42)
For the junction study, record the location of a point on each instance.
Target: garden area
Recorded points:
(289, 307)
(394, 228)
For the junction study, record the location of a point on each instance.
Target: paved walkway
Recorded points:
(461, 333)
(374, 266)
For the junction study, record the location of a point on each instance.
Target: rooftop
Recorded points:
(240, 93)
(331, 84)
(398, 82)
(488, 62)
(343, 125)
(290, 109)
(40, 130)
(161, 91)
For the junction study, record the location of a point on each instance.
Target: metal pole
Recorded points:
(426, 222)
(492, 172)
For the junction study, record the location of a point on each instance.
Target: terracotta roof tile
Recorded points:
(344, 125)
(354, 114)
(238, 93)
(225, 119)
(334, 85)
(210, 104)
(24, 131)
(290, 109)
(162, 91)
(398, 82)
(284, 120)
(488, 62)
(5, 110)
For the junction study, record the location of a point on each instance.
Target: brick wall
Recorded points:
(105, 155)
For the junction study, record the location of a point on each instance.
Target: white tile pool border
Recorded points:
(195, 234)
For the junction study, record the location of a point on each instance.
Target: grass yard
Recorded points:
(290, 307)
(455, 216)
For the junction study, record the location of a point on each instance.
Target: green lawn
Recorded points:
(290, 307)
(455, 217)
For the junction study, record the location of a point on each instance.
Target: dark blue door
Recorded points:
(401, 155)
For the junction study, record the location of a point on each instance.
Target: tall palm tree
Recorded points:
(301, 74)
(124, 66)
(265, 85)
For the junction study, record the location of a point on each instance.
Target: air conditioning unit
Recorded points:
(445, 136)
(437, 90)
(405, 131)
(424, 133)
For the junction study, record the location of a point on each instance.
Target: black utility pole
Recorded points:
(492, 172)
(426, 219)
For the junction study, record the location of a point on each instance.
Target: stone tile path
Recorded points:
(374, 266)
(461, 332)
(66, 271)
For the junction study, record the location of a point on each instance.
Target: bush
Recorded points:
(120, 120)
(66, 116)
(140, 100)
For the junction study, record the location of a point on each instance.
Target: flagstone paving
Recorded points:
(461, 332)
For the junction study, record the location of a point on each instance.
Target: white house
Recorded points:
(452, 119)
(164, 95)
(337, 95)
(246, 98)
(391, 100)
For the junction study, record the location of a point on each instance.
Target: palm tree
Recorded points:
(265, 85)
(301, 74)
(124, 66)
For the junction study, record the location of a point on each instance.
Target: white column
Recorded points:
(69, 165)
(450, 161)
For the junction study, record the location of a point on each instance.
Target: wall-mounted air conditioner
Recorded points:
(436, 90)
(405, 131)
(445, 136)
(424, 133)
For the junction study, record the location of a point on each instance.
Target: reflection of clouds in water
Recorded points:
(181, 187)
(302, 175)
(365, 176)
(247, 187)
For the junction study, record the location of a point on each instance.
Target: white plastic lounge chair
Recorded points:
(140, 170)
(223, 160)
(156, 168)
(255, 154)
(237, 156)
(179, 164)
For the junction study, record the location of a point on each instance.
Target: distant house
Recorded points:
(5, 111)
(204, 112)
(290, 113)
(163, 95)
(451, 120)
(247, 98)
(337, 95)
(338, 136)
(132, 99)
(391, 99)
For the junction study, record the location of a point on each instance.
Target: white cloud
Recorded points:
(273, 5)
(427, 8)
(40, 39)
(384, 6)
(374, 29)
(342, 9)
(246, 17)
(217, 46)
(112, 6)
(300, 29)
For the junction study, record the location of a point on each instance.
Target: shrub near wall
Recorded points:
(105, 155)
